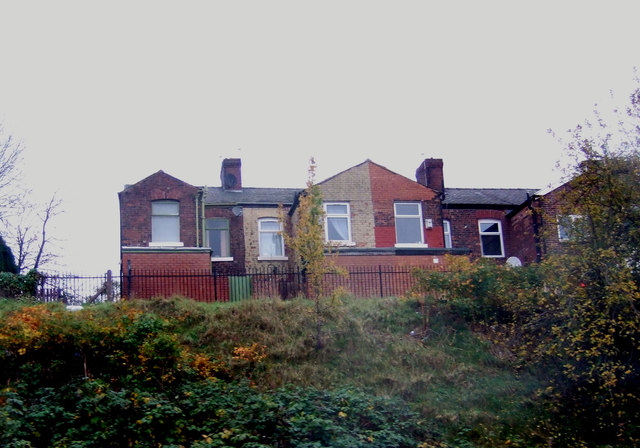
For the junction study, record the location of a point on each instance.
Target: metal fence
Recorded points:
(74, 289)
(233, 286)
(370, 281)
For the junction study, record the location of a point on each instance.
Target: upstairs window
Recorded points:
(217, 237)
(271, 241)
(566, 227)
(491, 238)
(446, 229)
(165, 221)
(408, 223)
(337, 222)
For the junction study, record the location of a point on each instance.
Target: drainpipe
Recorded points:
(202, 217)
(197, 221)
(536, 228)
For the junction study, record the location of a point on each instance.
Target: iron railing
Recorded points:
(256, 283)
(369, 281)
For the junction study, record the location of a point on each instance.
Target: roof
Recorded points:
(250, 196)
(501, 197)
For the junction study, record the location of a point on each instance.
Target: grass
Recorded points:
(446, 372)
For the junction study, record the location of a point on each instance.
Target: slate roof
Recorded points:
(250, 196)
(500, 197)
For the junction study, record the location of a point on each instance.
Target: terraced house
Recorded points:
(373, 217)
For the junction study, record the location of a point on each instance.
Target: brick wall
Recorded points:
(549, 208)
(135, 208)
(252, 238)
(522, 236)
(436, 262)
(465, 232)
(236, 237)
(354, 186)
(387, 188)
(164, 273)
(166, 260)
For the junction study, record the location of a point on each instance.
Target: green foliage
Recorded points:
(14, 285)
(175, 372)
(307, 241)
(7, 260)
(573, 318)
(308, 244)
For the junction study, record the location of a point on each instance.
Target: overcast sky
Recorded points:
(103, 94)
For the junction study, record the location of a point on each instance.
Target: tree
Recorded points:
(308, 244)
(7, 260)
(11, 192)
(30, 234)
(596, 313)
(26, 221)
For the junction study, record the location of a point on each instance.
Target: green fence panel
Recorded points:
(240, 288)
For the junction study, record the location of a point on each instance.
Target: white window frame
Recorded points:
(155, 239)
(417, 217)
(446, 231)
(328, 216)
(268, 257)
(224, 257)
(485, 233)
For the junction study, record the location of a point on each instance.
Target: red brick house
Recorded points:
(168, 224)
(373, 217)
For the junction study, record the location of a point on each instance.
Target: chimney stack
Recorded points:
(230, 177)
(430, 174)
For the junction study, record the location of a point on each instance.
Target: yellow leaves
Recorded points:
(205, 366)
(226, 434)
(255, 353)
(342, 414)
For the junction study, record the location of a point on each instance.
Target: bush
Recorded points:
(573, 318)
(113, 376)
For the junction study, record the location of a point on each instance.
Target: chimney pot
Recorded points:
(230, 175)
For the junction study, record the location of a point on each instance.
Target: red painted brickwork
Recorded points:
(159, 260)
(135, 208)
(426, 261)
(388, 188)
(158, 273)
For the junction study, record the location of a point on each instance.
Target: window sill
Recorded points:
(341, 243)
(218, 259)
(273, 258)
(411, 245)
(166, 244)
(492, 256)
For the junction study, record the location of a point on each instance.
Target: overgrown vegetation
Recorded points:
(308, 244)
(575, 316)
(179, 373)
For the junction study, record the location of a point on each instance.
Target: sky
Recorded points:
(103, 94)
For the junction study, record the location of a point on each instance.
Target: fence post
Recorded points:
(128, 279)
(109, 286)
(380, 277)
(215, 286)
